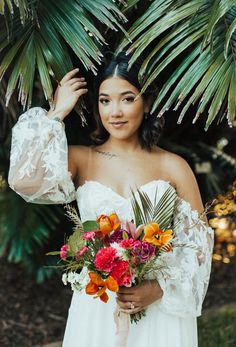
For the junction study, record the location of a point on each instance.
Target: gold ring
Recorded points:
(132, 306)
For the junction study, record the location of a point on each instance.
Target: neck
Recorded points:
(121, 147)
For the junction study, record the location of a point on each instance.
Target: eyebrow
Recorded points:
(124, 93)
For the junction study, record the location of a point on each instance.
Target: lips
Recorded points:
(117, 125)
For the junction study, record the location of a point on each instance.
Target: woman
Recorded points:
(101, 177)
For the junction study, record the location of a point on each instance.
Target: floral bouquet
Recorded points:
(115, 252)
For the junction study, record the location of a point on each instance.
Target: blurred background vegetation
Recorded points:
(190, 53)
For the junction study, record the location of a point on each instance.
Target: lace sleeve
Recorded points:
(186, 280)
(38, 161)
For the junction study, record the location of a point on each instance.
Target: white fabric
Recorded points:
(38, 161)
(39, 174)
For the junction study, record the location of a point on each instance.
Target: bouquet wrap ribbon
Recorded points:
(122, 321)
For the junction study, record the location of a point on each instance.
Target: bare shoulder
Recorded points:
(78, 151)
(181, 176)
(77, 160)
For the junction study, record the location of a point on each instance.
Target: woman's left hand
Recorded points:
(137, 298)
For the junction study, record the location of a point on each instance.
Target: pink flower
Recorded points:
(131, 229)
(105, 258)
(80, 253)
(121, 273)
(127, 243)
(89, 235)
(143, 251)
(63, 251)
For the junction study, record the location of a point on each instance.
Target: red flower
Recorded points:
(127, 243)
(89, 235)
(63, 251)
(105, 258)
(121, 273)
(80, 253)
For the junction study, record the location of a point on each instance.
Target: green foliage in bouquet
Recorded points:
(146, 212)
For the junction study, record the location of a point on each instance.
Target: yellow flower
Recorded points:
(154, 235)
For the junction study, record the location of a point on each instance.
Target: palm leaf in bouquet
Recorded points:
(160, 212)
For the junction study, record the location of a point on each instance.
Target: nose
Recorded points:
(115, 110)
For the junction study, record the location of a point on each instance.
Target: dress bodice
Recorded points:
(95, 198)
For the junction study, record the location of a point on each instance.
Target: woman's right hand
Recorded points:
(67, 94)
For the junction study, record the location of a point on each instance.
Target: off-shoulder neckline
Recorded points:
(119, 195)
(181, 200)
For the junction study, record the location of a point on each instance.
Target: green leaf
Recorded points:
(160, 211)
(53, 253)
(90, 225)
(230, 31)
(232, 99)
(218, 10)
(223, 86)
(76, 241)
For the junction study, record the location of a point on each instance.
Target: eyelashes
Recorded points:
(128, 99)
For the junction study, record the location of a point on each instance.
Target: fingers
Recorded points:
(69, 75)
(129, 307)
(126, 290)
(72, 81)
(78, 85)
(80, 92)
(124, 297)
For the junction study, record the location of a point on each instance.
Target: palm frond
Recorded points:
(41, 40)
(164, 209)
(160, 211)
(129, 5)
(8, 6)
(198, 40)
(24, 227)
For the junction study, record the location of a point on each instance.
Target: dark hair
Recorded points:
(151, 126)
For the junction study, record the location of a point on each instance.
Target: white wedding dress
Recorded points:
(39, 173)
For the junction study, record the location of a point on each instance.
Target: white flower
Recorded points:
(119, 250)
(64, 278)
(78, 281)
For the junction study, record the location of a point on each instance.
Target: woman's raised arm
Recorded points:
(39, 169)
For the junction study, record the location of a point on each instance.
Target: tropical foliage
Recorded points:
(36, 37)
(197, 40)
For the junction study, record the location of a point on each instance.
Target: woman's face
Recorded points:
(121, 108)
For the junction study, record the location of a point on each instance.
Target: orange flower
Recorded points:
(154, 235)
(108, 223)
(98, 286)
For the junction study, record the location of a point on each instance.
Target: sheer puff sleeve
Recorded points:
(39, 159)
(185, 282)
